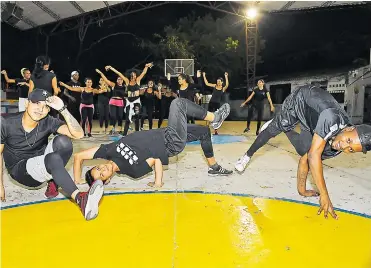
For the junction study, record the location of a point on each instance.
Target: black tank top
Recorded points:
(131, 90)
(149, 97)
(118, 91)
(104, 97)
(86, 97)
(216, 97)
(44, 81)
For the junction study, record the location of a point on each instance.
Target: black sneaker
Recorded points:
(219, 171)
(220, 115)
(246, 130)
(89, 135)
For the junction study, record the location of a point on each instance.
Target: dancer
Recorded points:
(167, 96)
(189, 90)
(32, 160)
(103, 105)
(218, 91)
(258, 95)
(87, 103)
(23, 86)
(117, 101)
(135, 155)
(150, 93)
(73, 98)
(42, 78)
(329, 129)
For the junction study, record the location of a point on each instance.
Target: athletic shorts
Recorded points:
(32, 172)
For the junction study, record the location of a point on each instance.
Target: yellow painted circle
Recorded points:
(183, 230)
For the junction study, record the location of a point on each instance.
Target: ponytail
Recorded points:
(41, 61)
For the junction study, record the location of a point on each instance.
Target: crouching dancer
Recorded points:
(138, 153)
(31, 160)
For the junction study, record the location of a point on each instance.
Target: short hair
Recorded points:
(88, 177)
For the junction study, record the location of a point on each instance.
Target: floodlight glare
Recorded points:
(251, 13)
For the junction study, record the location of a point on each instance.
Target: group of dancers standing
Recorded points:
(119, 102)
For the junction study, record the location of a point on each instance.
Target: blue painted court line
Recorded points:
(216, 139)
(196, 192)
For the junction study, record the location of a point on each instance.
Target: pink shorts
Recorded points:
(116, 102)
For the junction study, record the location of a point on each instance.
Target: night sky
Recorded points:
(296, 42)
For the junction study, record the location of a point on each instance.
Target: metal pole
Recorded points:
(247, 57)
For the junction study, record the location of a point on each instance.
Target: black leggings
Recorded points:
(164, 109)
(301, 142)
(116, 114)
(149, 111)
(136, 117)
(87, 115)
(103, 114)
(55, 163)
(259, 107)
(178, 132)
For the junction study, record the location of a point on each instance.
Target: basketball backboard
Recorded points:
(178, 66)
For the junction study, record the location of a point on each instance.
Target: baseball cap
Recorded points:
(364, 134)
(39, 95)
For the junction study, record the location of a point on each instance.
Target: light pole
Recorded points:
(251, 35)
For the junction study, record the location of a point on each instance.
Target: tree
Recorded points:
(216, 45)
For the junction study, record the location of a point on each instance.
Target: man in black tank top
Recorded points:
(329, 129)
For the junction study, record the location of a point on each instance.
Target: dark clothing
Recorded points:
(148, 107)
(44, 81)
(260, 95)
(116, 115)
(75, 94)
(20, 145)
(316, 111)
(258, 106)
(118, 91)
(131, 152)
(217, 95)
(22, 89)
(87, 115)
(104, 97)
(131, 90)
(164, 109)
(73, 107)
(87, 98)
(103, 109)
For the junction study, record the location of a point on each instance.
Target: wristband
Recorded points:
(63, 108)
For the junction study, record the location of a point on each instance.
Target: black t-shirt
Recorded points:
(13, 136)
(319, 112)
(44, 81)
(260, 95)
(118, 91)
(75, 94)
(131, 152)
(216, 97)
(22, 89)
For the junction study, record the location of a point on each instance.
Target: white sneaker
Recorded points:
(242, 163)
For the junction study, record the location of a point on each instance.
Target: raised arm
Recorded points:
(226, 82)
(76, 89)
(78, 159)
(126, 80)
(316, 167)
(139, 78)
(108, 82)
(7, 79)
(207, 82)
(2, 189)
